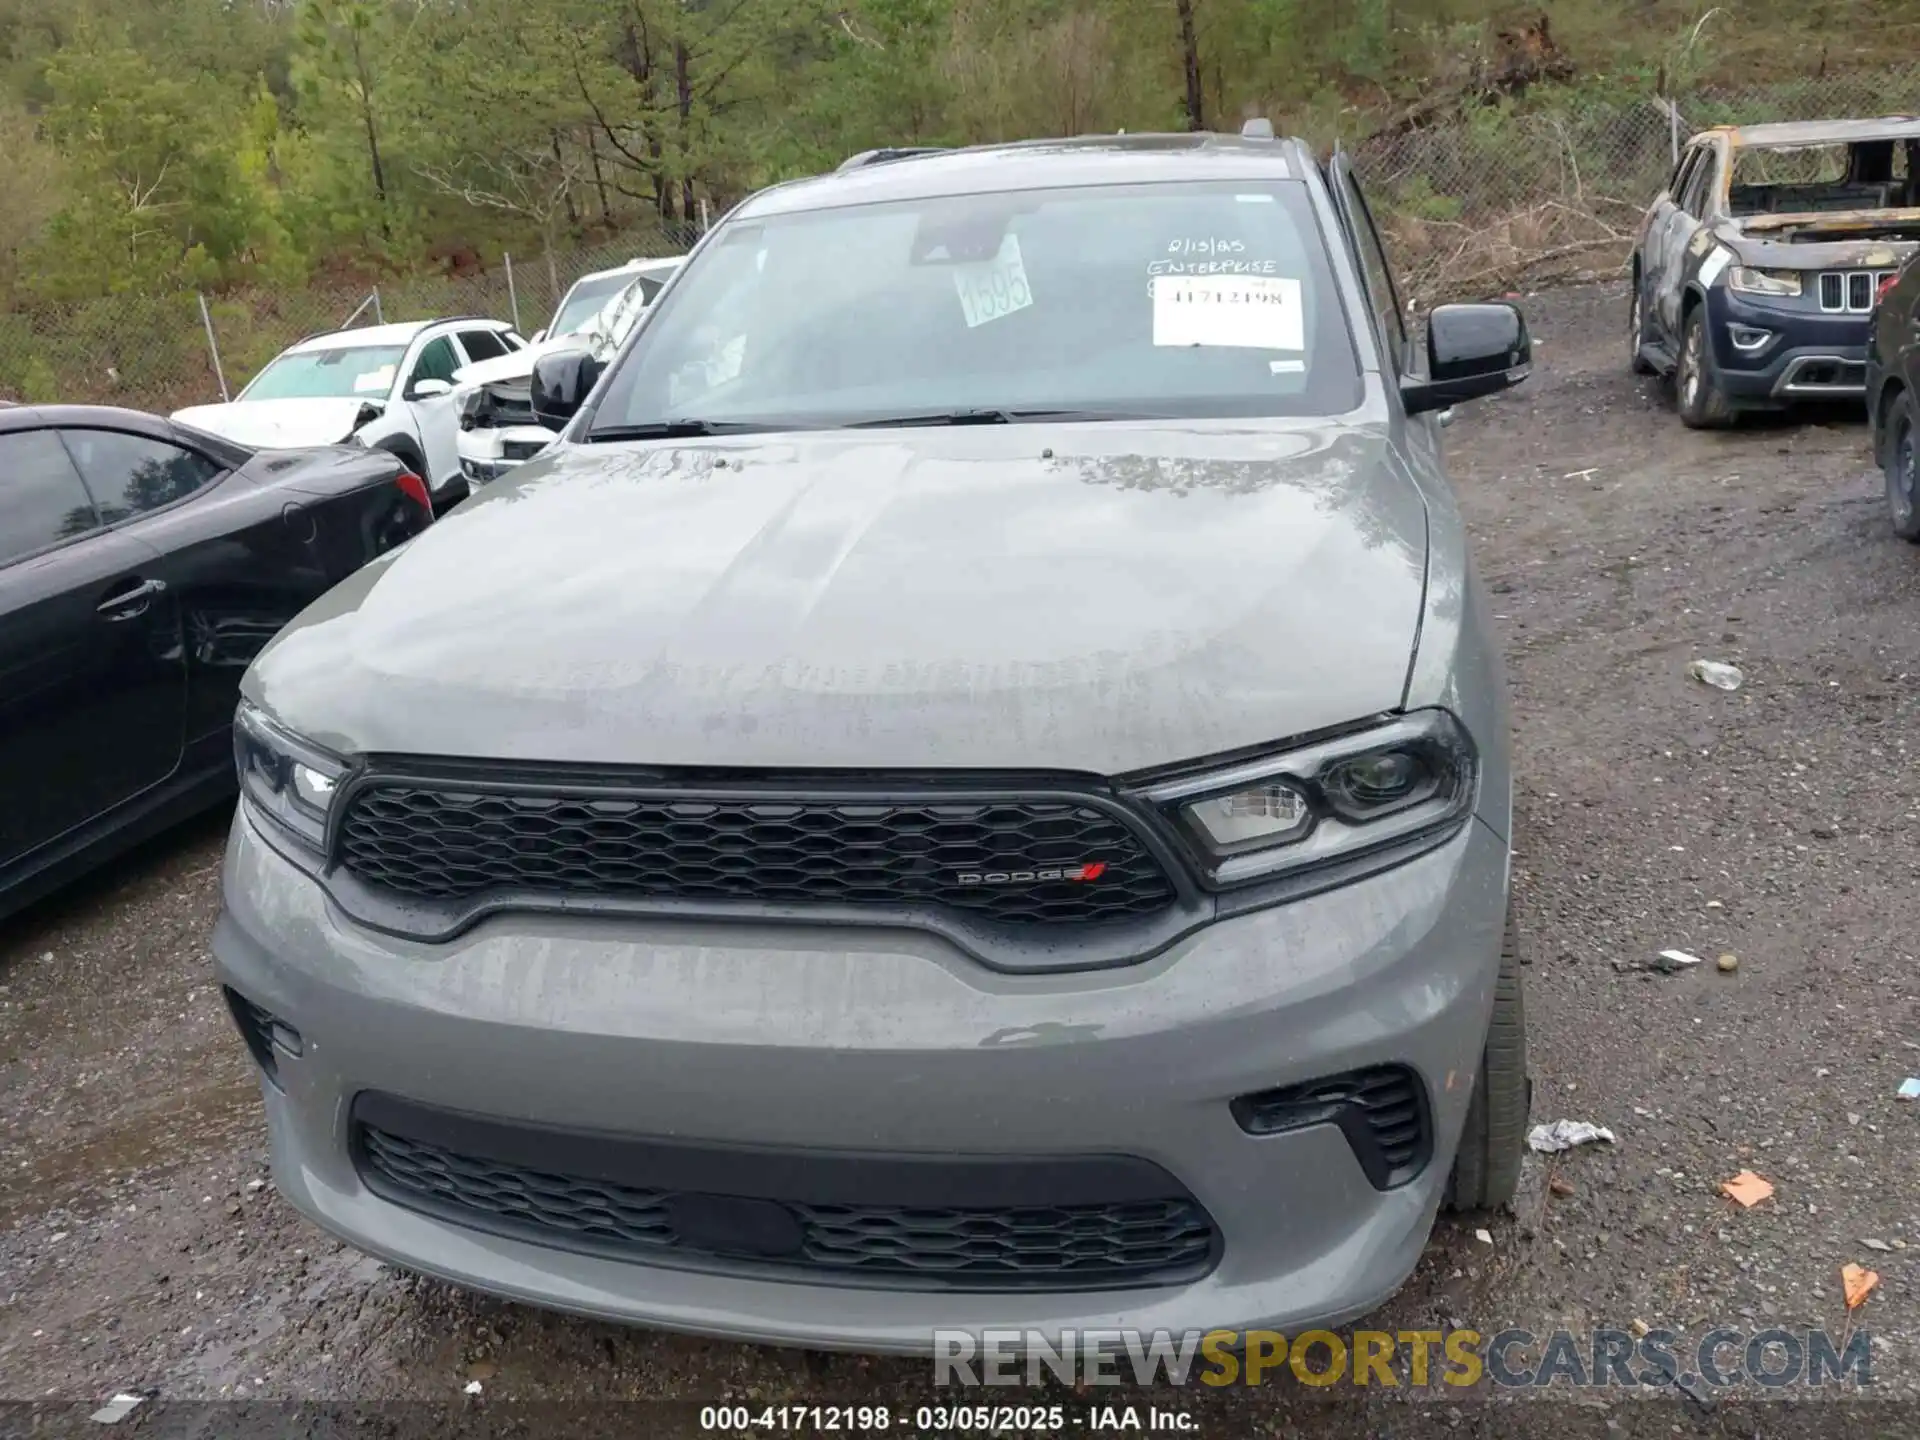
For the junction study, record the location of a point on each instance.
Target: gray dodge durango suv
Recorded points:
(970, 786)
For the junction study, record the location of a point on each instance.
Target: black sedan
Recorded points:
(142, 566)
(1893, 395)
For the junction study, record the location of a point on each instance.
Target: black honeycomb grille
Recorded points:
(1134, 1242)
(449, 845)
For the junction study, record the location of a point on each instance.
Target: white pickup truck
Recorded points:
(498, 429)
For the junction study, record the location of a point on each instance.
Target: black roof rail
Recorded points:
(880, 157)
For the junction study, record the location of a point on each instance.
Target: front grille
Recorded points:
(1850, 292)
(1382, 1111)
(522, 449)
(510, 405)
(1151, 1241)
(1008, 861)
(1815, 376)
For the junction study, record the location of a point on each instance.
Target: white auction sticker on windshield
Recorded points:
(1248, 312)
(381, 379)
(993, 289)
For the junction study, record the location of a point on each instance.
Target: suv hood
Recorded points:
(1095, 598)
(278, 424)
(1873, 240)
(514, 365)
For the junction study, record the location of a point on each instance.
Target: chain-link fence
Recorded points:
(1505, 195)
(1489, 198)
(163, 352)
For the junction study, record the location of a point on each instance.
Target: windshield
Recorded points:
(584, 301)
(364, 371)
(1806, 179)
(623, 312)
(1172, 299)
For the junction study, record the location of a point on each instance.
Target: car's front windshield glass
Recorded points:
(614, 319)
(585, 301)
(1185, 299)
(1809, 179)
(360, 371)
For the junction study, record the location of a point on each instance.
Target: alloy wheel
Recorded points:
(1690, 365)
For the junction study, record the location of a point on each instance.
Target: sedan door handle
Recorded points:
(131, 602)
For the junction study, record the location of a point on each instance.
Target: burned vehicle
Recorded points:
(1756, 271)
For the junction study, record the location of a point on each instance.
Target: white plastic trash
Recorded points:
(116, 1409)
(1717, 674)
(1671, 962)
(1566, 1135)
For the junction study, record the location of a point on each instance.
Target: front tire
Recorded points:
(1901, 449)
(1637, 332)
(1696, 382)
(1486, 1169)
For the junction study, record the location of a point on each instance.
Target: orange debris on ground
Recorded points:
(1747, 1188)
(1858, 1283)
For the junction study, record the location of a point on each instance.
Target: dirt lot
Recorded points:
(142, 1247)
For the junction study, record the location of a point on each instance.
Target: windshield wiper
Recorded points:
(678, 429)
(682, 429)
(985, 417)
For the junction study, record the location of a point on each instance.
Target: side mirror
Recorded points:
(427, 389)
(561, 383)
(1472, 350)
(538, 336)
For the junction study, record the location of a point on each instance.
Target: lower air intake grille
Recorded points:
(1010, 861)
(1382, 1111)
(1068, 1246)
(264, 1032)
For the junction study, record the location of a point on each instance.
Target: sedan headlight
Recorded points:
(1764, 282)
(289, 780)
(1327, 802)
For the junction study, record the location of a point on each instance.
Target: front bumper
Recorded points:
(888, 1043)
(1807, 354)
(486, 454)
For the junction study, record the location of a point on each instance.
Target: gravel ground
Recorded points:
(142, 1246)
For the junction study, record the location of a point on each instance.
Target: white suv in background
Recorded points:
(592, 292)
(388, 387)
(493, 398)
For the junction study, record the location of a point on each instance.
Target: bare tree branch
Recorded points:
(641, 163)
(534, 184)
(846, 24)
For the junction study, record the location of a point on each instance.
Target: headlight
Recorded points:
(1328, 802)
(1764, 282)
(290, 781)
